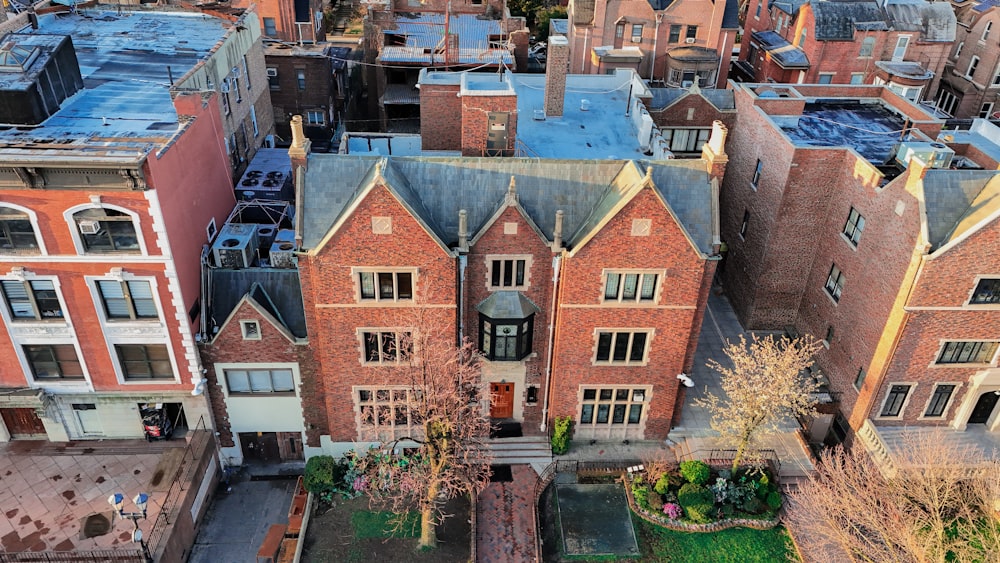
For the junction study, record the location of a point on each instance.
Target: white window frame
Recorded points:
(490, 258)
(827, 75)
(638, 299)
(253, 121)
(103, 257)
(246, 369)
(857, 228)
(250, 329)
(867, 44)
(902, 408)
(313, 112)
(382, 433)
(647, 346)
(972, 293)
(958, 50)
(970, 71)
(903, 40)
(758, 171)
(857, 78)
(378, 299)
(211, 229)
(834, 286)
(947, 406)
(29, 372)
(986, 110)
(986, 31)
(134, 318)
(744, 225)
(38, 317)
(33, 218)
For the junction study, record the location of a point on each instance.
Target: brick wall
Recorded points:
(475, 120)
(288, 100)
(440, 117)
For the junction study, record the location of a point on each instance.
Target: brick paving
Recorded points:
(505, 526)
(46, 492)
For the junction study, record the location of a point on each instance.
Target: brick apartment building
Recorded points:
(970, 82)
(901, 44)
(108, 195)
(582, 282)
(840, 228)
(403, 37)
(292, 21)
(685, 116)
(679, 43)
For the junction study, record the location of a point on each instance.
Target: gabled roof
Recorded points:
(722, 98)
(957, 201)
(934, 20)
(790, 7)
(782, 52)
(731, 16)
(837, 21)
(273, 291)
(437, 188)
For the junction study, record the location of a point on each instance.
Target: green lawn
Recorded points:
(735, 545)
(382, 525)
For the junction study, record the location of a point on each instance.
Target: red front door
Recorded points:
(501, 400)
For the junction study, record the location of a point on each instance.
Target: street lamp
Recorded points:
(117, 501)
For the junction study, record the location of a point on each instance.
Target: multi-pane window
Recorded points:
(252, 381)
(895, 399)
(618, 406)
(144, 361)
(387, 411)
(385, 346)
(17, 235)
(619, 31)
(985, 110)
(300, 79)
(106, 230)
(226, 107)
(630, 286)
(826, 77)
(867, 47)
(272, 79)
(987, 292)
(56, 361)
(854, 226)
(386, 286)
(636, 33)
(130, 300)
(970, 352)
(958, 50)
(939, 399)
(270, 27)
(744, 224)
(32, 300)
(973, 64)
(315, 117)
(986, 31)
(507, 272)
(685, 140)
(857, 78)
(675, 34)
(692, 32)
(859, 379)
(621, 347)
(835, 282)
(505, 340)
(755, 181)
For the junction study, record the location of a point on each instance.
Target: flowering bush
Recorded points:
(673, 510)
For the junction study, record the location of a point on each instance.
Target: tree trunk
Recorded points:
(739, 456)
(428, 532)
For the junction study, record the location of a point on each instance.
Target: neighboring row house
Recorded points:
(677, 43)
(291, 21)
(902, 44)
(112, 183)
(970, 83)
(877, 244)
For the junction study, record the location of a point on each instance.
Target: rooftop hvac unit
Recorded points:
(936, 155)
(266, 234)
(89, 227)
(285, 235)
(283, 254)
(236, 246)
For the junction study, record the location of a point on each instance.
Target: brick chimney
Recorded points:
(301, 144)
(556, 68)
(714, 151)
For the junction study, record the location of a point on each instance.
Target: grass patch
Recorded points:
(368, 524)
(735, 545)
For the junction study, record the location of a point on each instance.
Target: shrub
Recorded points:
(655, 502)
(561, 434)
(752, 505)
(662, 484)
(319, 475)
(695, 471)
(673, 510)
(774, 500)
(697, 501)
(641, 495)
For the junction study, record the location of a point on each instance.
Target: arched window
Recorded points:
(106, 230)
(17, 234)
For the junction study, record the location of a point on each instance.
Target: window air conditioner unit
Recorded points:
(689, 40)
(89, 227)
(272, 72)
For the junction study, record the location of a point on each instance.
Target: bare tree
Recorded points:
(446, 456)
(764, 385)
(936, 504)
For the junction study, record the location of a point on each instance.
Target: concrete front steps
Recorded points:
(528, 450)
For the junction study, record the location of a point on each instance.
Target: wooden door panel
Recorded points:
(22, 422)
(501, 400)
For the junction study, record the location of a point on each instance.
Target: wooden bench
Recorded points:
(268, 552)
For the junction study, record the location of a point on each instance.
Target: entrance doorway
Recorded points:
(984, 408)
(271, 447)
(501, 400)
(22, 423)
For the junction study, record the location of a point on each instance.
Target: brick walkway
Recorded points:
(505, 527)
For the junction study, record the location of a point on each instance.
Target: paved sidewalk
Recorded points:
(505, 525)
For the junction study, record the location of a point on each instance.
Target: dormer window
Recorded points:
(506, 326)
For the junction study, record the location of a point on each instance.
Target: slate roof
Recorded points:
(731, 16)
(276, 290)
(436, 188)
(782, 52)
(957, 200)
(722, 99)
(934, 20)
(838, 20)
(790, 7)
(984, 5)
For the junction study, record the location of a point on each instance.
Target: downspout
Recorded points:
(463, 262)
(583, 53)
(556, 262)
(656, 37)
(722, 58)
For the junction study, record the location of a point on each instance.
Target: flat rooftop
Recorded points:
(127, 61)
(594, 124)
(867, 126)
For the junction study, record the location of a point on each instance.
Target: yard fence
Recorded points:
(98, 556)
